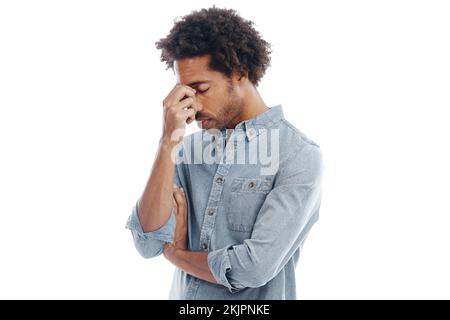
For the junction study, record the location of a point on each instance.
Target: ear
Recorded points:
(243, 76)
(240, 77)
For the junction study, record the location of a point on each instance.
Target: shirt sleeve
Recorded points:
(151, 244)
(284, 220)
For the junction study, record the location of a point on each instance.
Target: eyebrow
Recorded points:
(196, 83)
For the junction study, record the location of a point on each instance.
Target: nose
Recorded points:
(198, 105)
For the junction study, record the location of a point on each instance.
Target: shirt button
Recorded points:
(251, 184)
(211, 212)
(219, 180)
(204, 246)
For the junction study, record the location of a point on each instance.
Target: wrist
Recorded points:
(165, 142)
(169, 251)
(180, 244)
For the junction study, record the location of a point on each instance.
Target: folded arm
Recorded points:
(283, 223)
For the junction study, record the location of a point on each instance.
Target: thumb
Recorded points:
(180, 198)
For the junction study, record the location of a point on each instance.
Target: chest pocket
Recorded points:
(247, 197)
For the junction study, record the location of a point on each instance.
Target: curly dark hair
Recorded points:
(232, 43)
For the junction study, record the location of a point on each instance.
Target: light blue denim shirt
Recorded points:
(253, 194)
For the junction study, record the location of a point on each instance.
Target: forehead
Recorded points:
(189, 70)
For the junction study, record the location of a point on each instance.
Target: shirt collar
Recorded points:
(262, 121)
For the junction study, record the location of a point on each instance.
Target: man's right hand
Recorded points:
(179, 109)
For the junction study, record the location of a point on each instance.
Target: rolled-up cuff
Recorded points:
(165, 233)
(219, 264)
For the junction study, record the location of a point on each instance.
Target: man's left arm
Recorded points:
(194, 263)
(285, 219)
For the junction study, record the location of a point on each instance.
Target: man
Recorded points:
(233, 229)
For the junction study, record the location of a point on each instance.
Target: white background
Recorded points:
(81, 87)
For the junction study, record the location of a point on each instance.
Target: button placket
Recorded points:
(212, 205)
(213, 200)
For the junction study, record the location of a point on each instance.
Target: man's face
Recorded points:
(218, 99)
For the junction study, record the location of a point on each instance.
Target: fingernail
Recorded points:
(182, 190)
(175, 186)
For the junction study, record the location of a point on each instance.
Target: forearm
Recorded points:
(156, 201)
(193, 262)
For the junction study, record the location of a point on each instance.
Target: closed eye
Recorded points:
(202, 91)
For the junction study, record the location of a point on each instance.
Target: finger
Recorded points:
(175, 205)
(183, 91)
(186, 103)
(192, 105)
(193, 109)
(189, 114)
(177, 94)
(187, 109)
(180, 199)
